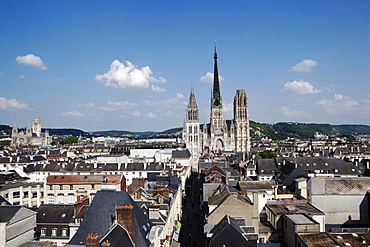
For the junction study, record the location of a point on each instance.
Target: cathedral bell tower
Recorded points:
(191, 129)
(218, 124)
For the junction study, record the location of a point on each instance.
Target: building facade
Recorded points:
(31, 136)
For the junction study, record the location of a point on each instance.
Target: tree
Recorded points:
(266, 154)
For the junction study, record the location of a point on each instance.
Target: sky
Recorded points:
(130, 65)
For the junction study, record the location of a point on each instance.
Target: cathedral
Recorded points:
(31, 136)
(218, 136)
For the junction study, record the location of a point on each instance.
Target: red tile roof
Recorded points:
(83, 179)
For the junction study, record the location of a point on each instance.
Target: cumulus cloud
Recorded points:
(304, 66)
(208, 77)
(151, 115)
(227, 107)
(31, 60)
(128, 76)
(89, 105)
(120, 105)
(300, 87)
(339, 104)
(22, 76)
(135, 113)
(158, 89)
(12, 104)
(73, 113)
(176, 102)
(292, 113)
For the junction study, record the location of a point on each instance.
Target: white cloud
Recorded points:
(339, 104)
(151, 115)
(158, 89)
(208, 77)
(22, 76)
(159, 80)
(122, 104)
(12, 104)
(89, 105)
(300, 87)
(227, 107)
(135, 113)
(292, 113)
(304, 66)
(31, 60)
(127, 76)
(73, 113)
(2, 74)
(104, 108)
(176, 102)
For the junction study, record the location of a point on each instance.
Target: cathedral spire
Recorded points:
(192, 102)
(216, 95)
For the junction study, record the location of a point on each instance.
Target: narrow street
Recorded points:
(191, 233)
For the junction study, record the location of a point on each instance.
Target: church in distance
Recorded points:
(218, 136)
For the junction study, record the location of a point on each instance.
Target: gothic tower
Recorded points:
(218, 123)
(191, 129)
(36, 126)
(241, 122)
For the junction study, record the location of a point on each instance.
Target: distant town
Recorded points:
(223, 183)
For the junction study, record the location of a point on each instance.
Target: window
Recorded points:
(16, 194)
(60, 187)
(71, 198)
(43, 231)
(60, 198)
(70, 187)
(53, 232)
(64, 232)
(51, 198)
(25, 194)
(50, 187)
(34, 194)
(93, 186)
(92, 197)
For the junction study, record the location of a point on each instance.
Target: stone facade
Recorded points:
(31, 136)
(219, 137)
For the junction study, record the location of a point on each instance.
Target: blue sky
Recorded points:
(129, 65)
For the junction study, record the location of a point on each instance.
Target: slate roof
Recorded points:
(288, 173)
(101, 214)
(54, 213)
(181, 154)
(3, 201)
(255, 185)
(7, 212)
(266, 166)
(118, 237)
(228, 233)
(288, 206)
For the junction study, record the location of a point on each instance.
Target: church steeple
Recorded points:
(216, 95)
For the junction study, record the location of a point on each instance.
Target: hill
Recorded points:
(278, 131)
(281, 131)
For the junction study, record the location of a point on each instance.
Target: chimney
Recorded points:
(136, 184)
(125, 217)
(161, 190)
(92, 240)
(105, 244)
(275, 191)
(79, 204)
